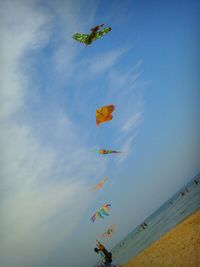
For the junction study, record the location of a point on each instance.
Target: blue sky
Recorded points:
(50, 88)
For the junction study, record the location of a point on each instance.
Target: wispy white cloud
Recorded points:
(125, 81)
(138, 65)
(40, 179)
(105, 61)
(18, 31)
(127, 147)
(41, 184)
(126, 89)
(132, 122)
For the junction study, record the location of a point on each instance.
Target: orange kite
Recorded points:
(99, 185)
(104, 114)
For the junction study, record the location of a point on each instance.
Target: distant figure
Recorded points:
(196, 182)
(185, 191)
(143, 225)
(170, 202)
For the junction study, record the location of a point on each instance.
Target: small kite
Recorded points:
(95, 34)
(106, 151)
(104, 114)
(102, 211)
(109, 232)
(99, 185)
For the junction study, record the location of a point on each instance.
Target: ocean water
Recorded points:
(175, 210)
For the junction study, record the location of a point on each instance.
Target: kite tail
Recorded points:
(95, 150)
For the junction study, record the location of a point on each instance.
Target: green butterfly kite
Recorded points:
(95, 34)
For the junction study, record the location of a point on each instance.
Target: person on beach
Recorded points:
(105, 254)
(143, 225)
(183, 193)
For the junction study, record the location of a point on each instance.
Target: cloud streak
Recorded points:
(39, 181)
(132, 122)
(105, 62)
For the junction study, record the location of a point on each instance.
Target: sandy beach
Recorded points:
(180, 247)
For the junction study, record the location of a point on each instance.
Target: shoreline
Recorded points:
(172, 213)
(179, 247)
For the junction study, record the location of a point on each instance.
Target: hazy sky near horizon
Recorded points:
(50, 87)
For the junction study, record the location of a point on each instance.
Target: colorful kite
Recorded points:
(99, 185)
(102, 211)
(109, 232)
(104, 114)
(106, 151)
(95, 34)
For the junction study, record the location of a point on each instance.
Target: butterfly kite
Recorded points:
(101, 212)
(95, 34)
(109, 232)
(99, 185)
(104, 114)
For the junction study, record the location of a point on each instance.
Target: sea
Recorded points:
(185, 202)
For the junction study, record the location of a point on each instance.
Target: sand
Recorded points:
(180, 247)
